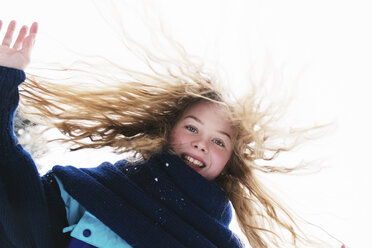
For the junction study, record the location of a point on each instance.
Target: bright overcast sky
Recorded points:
(327, 41)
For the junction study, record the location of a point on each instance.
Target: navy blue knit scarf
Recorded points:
(158, 203)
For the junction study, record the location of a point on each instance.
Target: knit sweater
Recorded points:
(32, 213)
(156, 203)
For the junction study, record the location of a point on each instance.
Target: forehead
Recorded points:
(209, 113)
(203, 107)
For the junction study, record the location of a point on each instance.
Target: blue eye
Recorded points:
(191, 129)
(218, 142)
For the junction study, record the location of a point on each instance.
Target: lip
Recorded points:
(194, 157)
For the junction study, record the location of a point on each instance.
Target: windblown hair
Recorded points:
(134, 111)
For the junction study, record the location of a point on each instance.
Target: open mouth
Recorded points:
(193, 162)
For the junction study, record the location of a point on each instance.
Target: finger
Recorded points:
(21, 35)
(29, 41)
(1, 24)
(34, 28)
(28, 44)
(9, 34)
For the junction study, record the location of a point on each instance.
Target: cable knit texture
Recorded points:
(157, 203)
(161, 201)
(32, 213)
(22, 198)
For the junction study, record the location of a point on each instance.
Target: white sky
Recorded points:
(330, 39)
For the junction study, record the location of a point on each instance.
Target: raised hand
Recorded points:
(17, 56)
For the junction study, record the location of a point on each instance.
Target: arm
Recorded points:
(12, 61)
(23, 208)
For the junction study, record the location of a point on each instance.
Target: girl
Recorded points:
(198, 150)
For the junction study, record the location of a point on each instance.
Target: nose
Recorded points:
(200, 145)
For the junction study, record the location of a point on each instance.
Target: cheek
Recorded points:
(177, 137)
(174, 137)
(221, 158)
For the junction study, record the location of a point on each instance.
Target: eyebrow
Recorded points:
(198, 120)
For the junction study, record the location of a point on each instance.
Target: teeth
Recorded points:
(194, 161)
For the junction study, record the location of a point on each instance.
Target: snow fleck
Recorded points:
(167, 164)
(156, 179)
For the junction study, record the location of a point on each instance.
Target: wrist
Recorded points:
(10, 76)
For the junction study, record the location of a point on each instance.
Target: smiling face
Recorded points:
(203, 138)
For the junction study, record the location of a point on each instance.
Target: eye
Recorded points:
(218, 142)
(191, 129)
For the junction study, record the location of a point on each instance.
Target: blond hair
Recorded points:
(133, 111)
